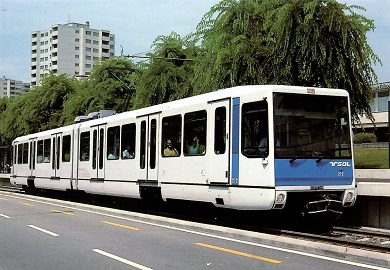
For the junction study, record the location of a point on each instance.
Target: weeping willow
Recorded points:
(295, 42)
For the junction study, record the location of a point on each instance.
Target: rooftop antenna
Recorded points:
(68, 18)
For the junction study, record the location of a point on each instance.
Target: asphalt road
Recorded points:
(38, 233)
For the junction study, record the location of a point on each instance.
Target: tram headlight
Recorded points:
(280, 198)
(349, 197)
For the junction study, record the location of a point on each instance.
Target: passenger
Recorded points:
(111, 155)
(85, 155)
(194, 147)
(127, 153)
(264, 143)
(170, 151)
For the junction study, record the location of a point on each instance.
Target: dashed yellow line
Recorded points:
(3, 199)
(62, 212)
(248, 255)
(27, 204)
(120, 225)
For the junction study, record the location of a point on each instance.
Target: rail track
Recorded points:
(372, 239)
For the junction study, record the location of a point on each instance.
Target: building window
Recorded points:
(383, 100)
(76, 64)
(77, 31)
(96, 42)
(87, 41)
(96, 34)
(77, 48)
(77, 56)
(88, 49)
(88, 57)
(88, 65)
(77, 39)
(88, 32)
(95, 50)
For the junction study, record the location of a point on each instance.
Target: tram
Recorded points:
(257, 147)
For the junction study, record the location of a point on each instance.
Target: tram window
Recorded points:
(254, 129)
(171, 136)
(39, 151)
(84, 146)
(220, 130)
(46, 151)
(113, 138)
(142, 145)
(25, 153)
(20, 153)
(153, 143)
(195, 124)
(128, 141)
(66, 142)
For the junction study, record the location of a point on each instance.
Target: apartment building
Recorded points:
(380, 111)
(12, 88)
(70, 48)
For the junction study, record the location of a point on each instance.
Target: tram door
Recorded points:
(219, 134)
(32, 163)
(149, 152)
(55, 156)
(98, 133)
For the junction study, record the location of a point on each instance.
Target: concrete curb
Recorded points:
(320, 249)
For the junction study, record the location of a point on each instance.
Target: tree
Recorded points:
(322, 43)
(234, 46)
(111, 84)
(167, 77)
(296, 42)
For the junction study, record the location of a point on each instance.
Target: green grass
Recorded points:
(371, 158)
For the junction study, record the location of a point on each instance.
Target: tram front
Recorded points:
(313, 152)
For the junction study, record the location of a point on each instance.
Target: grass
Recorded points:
(371, 158)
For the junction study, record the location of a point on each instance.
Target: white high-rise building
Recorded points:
(70, 48)
(12, 88)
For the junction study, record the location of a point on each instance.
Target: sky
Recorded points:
(136, 24)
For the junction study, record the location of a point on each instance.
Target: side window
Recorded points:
(128, 141)
(46, 150)
(20, 153)
(84, 146)
(195, 124)
(113, 139)
(220, 131)
(171, 136)
(254, 129)
(66, 142)
(25, 153)
(39, 151)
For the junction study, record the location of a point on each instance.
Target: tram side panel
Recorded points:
(121, 164)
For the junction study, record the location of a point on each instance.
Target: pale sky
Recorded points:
(136, 24)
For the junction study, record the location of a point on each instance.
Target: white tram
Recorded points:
(248, 147)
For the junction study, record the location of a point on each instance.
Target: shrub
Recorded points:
(364, 138)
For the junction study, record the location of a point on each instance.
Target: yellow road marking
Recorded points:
(239, 253)
(62, 212)
(120, 225)
(24, 203)
(3, 199)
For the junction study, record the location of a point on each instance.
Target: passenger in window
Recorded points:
(67, 156)
(111, 155)
(170, 151)
(127, 154)
(85, 155)
(194, 148)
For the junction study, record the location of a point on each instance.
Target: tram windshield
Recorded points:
(311, 126)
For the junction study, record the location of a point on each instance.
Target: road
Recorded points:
(38, 233)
